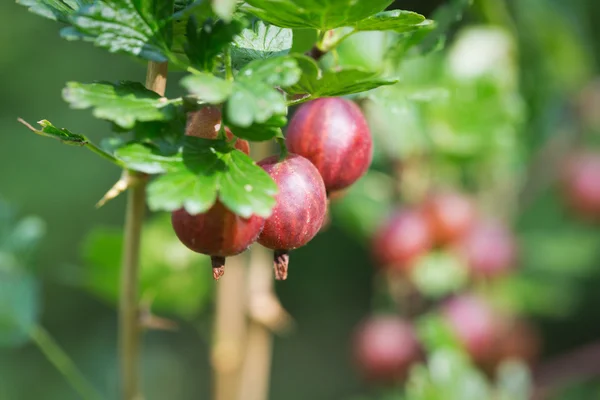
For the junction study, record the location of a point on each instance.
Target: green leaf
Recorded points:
(212, 169)
(63, 135)
(19, 306)
(205, 44)
(330, 83)
(303, 40)
(58, 10)
(177, 280)
(260, 41)
(136, 27)
(146, 158)
(395, 20)
(199, 10)
(123, 104)
(208, 87)
(251, 98)
(315, 14)
(224, 8)
(254, 98)
(259, 132)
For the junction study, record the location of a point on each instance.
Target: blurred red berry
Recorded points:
(402, 239)
(385, 347)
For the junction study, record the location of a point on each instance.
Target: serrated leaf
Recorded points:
(204, 44)
(208, 87)
(254, 98)
(123, 104)
(260, 41)
(138, 28)
(63, 135)
(340, 82)
(58, 10)
(394, 20)
(315, 14)
(146, 158)
(224, 8)
(212, 169)
(19, 306)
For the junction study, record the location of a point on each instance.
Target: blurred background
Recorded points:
(494, 110)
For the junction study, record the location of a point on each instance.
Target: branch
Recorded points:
(129, 326)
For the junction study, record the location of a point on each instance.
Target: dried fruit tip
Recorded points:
(218, 266)
(281, 260)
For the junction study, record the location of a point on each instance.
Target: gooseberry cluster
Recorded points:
(386, 346)
(449, 220)
(328, 148)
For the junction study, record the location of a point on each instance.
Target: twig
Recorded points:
(229, 330)
(129, 327)
(63, 363)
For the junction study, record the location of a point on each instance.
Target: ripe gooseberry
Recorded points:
(300, 209)
(581, 184)
(489, 249)
(385, 347)
(333, 134)
(206, 123)
(475, 324)
(218, 233)
(450, 215)
(402, 240)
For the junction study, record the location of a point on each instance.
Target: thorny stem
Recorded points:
(57, 356)
(129, 326)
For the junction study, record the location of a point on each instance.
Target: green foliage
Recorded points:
(206, 43)
(253, 98)
(207, 87)
(54, 9)
(123, 103)
(146, 158)
(139, 28)
(212, 169)
(395, 20)
(319, 15)
(317, 83)
(172, 278)
(63, 135)
(260, 41)
(207, 38)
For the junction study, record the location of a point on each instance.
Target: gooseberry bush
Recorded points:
(408, 145)
(244, 64)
